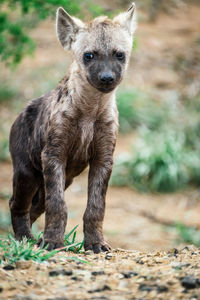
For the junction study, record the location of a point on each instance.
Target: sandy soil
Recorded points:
(118, 275)
(128, 221)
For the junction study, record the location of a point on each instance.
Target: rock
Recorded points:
(8, 267)
(23, 264)
(75, 278)
(23, 297)
(173, 252)
(55, 273)
(139, 261)
(67, 272)
(179, 266)
(109, 256)
(99, 298)
(1, 289)
(29, 282)
(89, 252)
(145, 288)
(96, 273)
(129, 274)
(53, 261)
(149, 288)
(162, 289)
(60, 272)
(58, 298)
(190, 282)
(105, 287)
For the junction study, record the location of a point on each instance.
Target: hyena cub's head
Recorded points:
(101, 48)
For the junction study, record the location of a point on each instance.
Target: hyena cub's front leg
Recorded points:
(55, 207)
(99, 175)
(94, 214)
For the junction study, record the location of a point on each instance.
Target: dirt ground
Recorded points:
(118, 275)
(151, 270)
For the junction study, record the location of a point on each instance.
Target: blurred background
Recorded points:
(154, 196)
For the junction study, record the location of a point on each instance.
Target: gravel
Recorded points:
(118, 275)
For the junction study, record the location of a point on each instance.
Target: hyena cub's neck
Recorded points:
(84, 96)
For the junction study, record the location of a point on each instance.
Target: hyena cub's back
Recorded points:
(57, 135)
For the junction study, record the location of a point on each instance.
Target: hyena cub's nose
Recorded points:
(106, 77)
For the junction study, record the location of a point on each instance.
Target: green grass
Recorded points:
(4, 149)
(136, 109)
(12, 250)
(6, 92)
(70, 243)
(185, 234)
(5, 194)
(160, 162)
(5, 221)
(188, 235)
(165, 156)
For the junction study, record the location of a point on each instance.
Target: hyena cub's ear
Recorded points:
(67, 27)
(127, 19)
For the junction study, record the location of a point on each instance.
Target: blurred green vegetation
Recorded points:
(5, 221)
(18, 17)
(4, 143)
(189, 235)
(166, 149)
(6, 93)
(135, 109)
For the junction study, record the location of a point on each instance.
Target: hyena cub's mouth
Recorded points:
(104, 88)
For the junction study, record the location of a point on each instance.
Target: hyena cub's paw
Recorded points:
(21, 236)
(51, 245)
(97, 247)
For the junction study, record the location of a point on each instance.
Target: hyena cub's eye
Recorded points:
(88, 56)
(120, 55)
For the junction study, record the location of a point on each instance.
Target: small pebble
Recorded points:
(55, 273)
(57, 298)
(100, 298)
(75, 278)
(190, 282)
(109, 256)
(146, 288)
(60, 272)
(96, 273)
(129, 274)
(8, 267)
(89, 252)
(149, 288)
(162, 288)
(100, 289)
(67, 272)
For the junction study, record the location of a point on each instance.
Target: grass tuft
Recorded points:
(12, 250)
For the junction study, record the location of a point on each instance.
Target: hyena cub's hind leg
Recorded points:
(38, 204)
(25, 185)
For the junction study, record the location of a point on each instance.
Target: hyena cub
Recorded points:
(59, 134)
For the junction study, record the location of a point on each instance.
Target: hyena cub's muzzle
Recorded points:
(104, 71)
